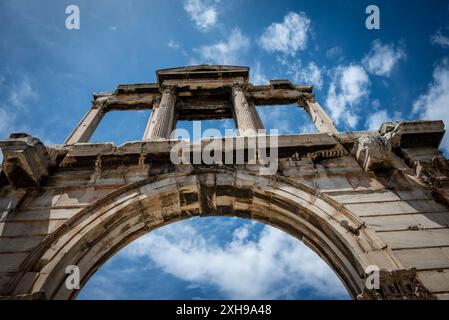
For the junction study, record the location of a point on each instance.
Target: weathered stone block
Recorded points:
(373, 152)
(26, 161)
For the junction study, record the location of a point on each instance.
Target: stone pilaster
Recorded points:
(246, 116)
(162, 120)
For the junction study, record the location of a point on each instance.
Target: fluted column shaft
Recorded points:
(321, 119)
(85, 129)
(246, 116)
(162, 120)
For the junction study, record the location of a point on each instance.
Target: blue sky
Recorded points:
(215, 258)
(361, 77)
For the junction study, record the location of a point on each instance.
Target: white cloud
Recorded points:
(382, 58)
(268, 266)
(375, 119)
(310, 75)
(21, 93)
(287, 37)
(17, 94)
(4, 122)
(439, 39)
(278, 118)
(286, 119)
(225, 52)
(334, 53)
(6, 118)
(202, 12)
(173, 44)
(309, 128)
(349, 87)
(433, 105)
(257, 74)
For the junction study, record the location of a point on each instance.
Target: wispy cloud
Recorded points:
(350, 85)
(439, 39)
(287, 37)
(375, 119)
(382, 58)
(173, 44)
(269, 266)
(16, 93)
(334, 53)
(203, 12)
(21, 93)
(310, 74)
(6, 118)
(286, 119)
(229, 51)
(257, 74)
(433, 105)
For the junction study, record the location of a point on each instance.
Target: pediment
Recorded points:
(203, 71)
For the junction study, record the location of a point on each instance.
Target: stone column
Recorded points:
(321, 119)
(87, 126)
(245, 113)
(162, 120)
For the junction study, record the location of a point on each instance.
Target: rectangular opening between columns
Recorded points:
(121, 126)
(288, 119)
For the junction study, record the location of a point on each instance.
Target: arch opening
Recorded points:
(215, 258)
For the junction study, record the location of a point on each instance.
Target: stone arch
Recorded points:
(100, 230)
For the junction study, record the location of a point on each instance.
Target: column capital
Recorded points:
(304, 98)
(302, 101)
(236, 86)
(172, 89)
(100, 102)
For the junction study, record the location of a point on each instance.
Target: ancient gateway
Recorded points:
(358, 199)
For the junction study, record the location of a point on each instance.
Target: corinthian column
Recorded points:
(162, 120)
(246, 116)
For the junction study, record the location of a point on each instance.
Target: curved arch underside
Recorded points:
(92, 235)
